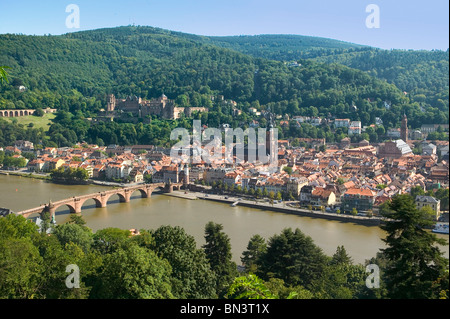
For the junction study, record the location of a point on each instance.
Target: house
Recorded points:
(24, 145)
(196, 174)
(171, 174)
(393, 133)
(275, 185)
(322, 197)
(305, 194)
(116, 171)
(231, 178)
(362, 199)
(55, 163)
(294, 185)
(49, 151)
(355, 128)
(12, 150)
(429, 201)
(88, 168)
(136, 175)
(215, 174)
(36, 165)
(428, 149)
(341, 123)
(158, 177)
(98, 171)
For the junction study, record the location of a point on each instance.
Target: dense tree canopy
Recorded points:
(74, 73)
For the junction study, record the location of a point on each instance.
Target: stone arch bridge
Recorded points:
(101, 198)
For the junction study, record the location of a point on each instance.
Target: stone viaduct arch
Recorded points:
(15, 113)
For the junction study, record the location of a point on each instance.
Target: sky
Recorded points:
(394, 24)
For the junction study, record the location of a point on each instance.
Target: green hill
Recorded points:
(422, 74)
(74, 72)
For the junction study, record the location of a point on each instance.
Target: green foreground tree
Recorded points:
(416, 267)
(218, 253)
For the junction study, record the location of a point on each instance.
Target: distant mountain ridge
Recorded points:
(334, 76)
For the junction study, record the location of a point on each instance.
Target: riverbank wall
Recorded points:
(361, 220)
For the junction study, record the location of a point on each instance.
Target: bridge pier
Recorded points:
(126, 197)
(102, 201)
(77, 205)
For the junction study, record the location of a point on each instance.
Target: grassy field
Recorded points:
(44, 121)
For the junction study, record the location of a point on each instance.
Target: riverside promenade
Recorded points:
(282, 207)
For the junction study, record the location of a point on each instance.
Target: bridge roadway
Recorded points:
(101, 198)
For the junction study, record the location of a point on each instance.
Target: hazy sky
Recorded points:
(403, 24)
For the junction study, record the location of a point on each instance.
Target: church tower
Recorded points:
(404, 129)
(111, 105)
(186, 175)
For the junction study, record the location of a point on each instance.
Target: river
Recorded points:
(239, 223)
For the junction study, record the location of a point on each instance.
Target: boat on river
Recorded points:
(441, 228)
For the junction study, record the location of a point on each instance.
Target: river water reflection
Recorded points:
(240, 223)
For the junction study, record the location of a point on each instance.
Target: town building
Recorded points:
(322, 197)
(341, 123)
(429, 201)
(355, 128)
(428, 149)
(305, 194)
(294, 185)
(362, 199)
(394, 149)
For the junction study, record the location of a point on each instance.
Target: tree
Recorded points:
(293, 257)
(20, 262)
(77, 219)
(110, 239)
(39, 112)
(279, 196)
(218, 253)
(191, 276)
(281, 291)
(255, 248)
(133, 272)
(74, 233)
(341, 281)
(417, 190)
(416, 261)
(340, 257)
(249, 287)
(288, 170)
(4, 74)
(148, 178)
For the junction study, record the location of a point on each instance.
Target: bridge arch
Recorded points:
(158, 188)
(122, 198)
(142, 191)
(98, 203)
(69, 205)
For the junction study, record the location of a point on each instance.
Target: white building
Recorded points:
(355, 128)
(342, 123)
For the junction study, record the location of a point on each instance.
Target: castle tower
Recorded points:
(111, 103)
(404, 129)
